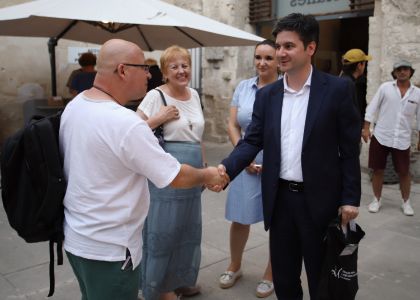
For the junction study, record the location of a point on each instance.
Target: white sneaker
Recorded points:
(375, 205)
(406, 208)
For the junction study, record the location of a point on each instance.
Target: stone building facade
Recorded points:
(222, 67)
(394, 32)
(25, 60)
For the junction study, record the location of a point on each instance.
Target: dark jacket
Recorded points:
(330, 150)
(358, 91)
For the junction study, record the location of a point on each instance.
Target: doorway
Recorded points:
(336, 37)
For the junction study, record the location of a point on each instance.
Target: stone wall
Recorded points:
(26, 60)
(222, 67)
(394, 33)
(10, 109)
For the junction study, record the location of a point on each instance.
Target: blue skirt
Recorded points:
(172, 231)
(244, 200)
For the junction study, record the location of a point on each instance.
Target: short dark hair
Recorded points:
(87, 59)
(306, 26)
(266, 42)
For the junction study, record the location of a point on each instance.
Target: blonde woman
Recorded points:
(172, 232)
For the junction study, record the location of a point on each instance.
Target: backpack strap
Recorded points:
(59, 251)
(45, 132)
(51, 269)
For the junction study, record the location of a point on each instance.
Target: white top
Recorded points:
(293, 118)
(189, 127)
(109, 153)
(394, 114)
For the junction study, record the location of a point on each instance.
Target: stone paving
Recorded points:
(389, 256)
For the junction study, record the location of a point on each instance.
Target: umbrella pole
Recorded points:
(52, 43)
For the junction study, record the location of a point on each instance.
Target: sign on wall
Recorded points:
(314, 7)
(73, 53)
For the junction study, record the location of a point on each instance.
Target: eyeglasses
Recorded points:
(146, 68)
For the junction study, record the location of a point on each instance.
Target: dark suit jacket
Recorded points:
(330, 150)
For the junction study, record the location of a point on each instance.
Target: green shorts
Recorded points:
(103, 280)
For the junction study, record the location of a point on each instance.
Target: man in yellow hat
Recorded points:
(354, 65)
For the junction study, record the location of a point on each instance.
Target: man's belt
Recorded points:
(293, 186)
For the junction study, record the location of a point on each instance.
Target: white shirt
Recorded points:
(394, 114)
(190, 125)
(109, 153)
(293, 118)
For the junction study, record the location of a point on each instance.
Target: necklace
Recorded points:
(105, 92)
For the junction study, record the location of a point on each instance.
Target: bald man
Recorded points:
(109, 153)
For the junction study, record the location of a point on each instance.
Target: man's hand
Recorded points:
(223, 178)
(366, 134)
(217, 178)
(348, 213)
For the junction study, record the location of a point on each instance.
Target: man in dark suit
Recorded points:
(310, 131)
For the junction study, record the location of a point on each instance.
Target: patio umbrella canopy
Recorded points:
(151, 24)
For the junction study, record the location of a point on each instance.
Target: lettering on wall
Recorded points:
(294, 3)
(285, 7)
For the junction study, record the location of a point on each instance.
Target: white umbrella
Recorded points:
(152, 24)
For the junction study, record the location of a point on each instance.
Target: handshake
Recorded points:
(216, 178)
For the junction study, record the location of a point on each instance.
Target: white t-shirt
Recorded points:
(394, 114)
(190, 125)
(109, 153)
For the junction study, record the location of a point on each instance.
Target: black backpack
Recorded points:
(33, 185)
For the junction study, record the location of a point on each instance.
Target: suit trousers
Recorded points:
(294, 238)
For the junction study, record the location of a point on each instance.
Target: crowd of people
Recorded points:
(133, 205)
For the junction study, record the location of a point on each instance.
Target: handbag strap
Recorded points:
(162, 96)
(160, 127)
(164, 100)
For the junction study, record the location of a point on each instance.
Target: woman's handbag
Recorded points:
(159, 130)
(339, 272)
